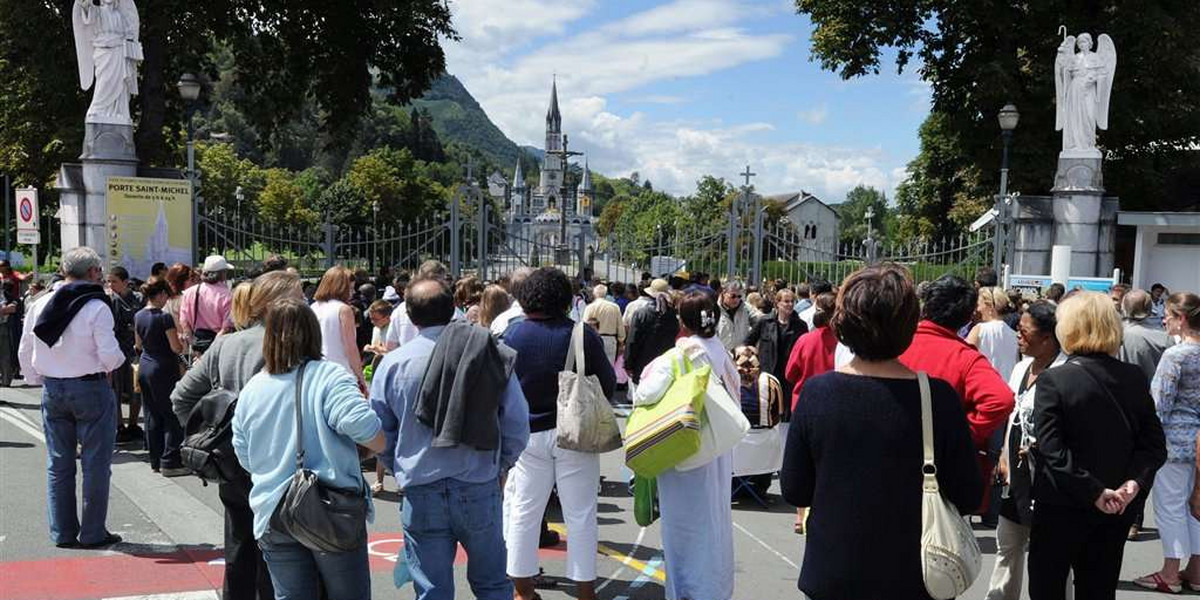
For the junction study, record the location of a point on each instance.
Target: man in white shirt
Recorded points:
(401, 330)
(69, 347)
(514, 314)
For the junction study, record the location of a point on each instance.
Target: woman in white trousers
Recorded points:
(1036, 341)
(542, 342)
(697, 520)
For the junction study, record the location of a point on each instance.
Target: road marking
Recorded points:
(201, 595)
(767, 546)
(18, 420)
(651, 570)
(624, 563)
(625, 559)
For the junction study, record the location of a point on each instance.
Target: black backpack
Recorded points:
(207, 448)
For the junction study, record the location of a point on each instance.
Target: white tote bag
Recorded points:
(722, 428)
(950, 559)
(585, 419)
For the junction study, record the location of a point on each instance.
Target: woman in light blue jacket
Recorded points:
(335, 417)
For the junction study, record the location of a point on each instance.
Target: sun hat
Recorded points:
(215, 263)
(657, 286)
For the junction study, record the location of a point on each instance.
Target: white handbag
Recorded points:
(950, 558)
(585, 420)
(722, 427)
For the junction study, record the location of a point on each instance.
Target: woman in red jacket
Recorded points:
(812, 355)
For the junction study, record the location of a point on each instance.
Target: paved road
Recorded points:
(172, 530)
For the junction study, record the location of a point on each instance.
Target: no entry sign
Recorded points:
(27, 216)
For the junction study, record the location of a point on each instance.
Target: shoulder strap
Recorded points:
(299, 419)
(929, 469)
(575, 351)
(1113, 399)
(196, 306)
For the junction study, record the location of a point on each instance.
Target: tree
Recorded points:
(282, 200)
(400, 185)
(224, 172)
(979, 56)
(853, 223)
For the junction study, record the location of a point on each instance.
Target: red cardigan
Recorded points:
(986, 397)
(812, 355)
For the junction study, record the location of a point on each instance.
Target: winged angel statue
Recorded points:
(1083, 85)
(107, 46)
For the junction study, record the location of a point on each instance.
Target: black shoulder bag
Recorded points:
(202, 339)
(321, 517)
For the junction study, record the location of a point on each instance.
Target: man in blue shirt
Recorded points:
(451, 494)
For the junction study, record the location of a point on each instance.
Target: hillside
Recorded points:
(457, 117)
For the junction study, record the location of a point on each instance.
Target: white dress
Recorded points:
(697, 519)
(998, 342)
(329, 317)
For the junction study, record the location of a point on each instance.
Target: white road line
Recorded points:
(201, 595)
(767, 546)
(16, 419)
(625, 563)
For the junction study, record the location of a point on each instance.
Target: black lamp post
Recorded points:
(189, 90)
(1008, 119)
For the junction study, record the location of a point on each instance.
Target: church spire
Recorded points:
(586, 184)
(518, 178)
(553, 118)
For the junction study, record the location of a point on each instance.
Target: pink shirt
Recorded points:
(211, 311)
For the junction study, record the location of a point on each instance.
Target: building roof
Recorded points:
(552, 115)
(794, 200)
(1167, 219)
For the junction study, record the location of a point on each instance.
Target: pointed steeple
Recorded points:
(553, 117)
(518, 177)
(586, 184)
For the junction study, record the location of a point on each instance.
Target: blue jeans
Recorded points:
(439, 516)
(76, 411)
(298, 573)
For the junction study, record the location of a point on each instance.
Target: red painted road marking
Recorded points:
(184, 570)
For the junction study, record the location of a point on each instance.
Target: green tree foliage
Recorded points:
(979, 56)
(224, 172)
(282, 200)
(853, 224)
(399, 184)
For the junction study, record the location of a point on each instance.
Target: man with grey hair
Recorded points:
(735, 321)
(68, 345)
(1141, 345)
(515, 314)
(605, 316)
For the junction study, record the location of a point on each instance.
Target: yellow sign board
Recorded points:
(149, 221)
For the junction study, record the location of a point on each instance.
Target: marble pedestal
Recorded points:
(108, 151)
(1083, 217)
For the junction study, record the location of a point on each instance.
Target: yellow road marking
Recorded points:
(638, 565)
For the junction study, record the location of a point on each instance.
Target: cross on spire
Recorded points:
(747, 175)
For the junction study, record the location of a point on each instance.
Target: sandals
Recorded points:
(1189, 584)
(1155, 582)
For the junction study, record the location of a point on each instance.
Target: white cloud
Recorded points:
(506, 61)
(815, 115)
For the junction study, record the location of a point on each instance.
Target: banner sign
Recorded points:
(1032, 286)
(27, 216)
(149, 221)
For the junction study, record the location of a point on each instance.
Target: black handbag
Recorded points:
(207, 448)
(321, 517)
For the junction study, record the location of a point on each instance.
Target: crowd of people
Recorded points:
(1054, 416)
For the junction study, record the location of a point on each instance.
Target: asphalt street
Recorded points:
(172, 530)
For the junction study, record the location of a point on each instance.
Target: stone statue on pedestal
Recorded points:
(108, 50)
(1082, 86)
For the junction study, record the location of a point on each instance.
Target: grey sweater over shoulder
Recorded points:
(231, 361)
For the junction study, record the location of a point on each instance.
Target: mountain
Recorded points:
(458, 117)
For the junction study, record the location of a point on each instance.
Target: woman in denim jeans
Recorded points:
(334, 418)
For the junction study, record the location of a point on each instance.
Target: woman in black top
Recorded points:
(854, 450)
(773, 336)
(158, 370)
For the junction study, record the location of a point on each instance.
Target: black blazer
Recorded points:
(1096, 428)
(766, 335)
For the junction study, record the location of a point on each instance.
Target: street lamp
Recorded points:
(240, 195)
(1008, 119)
(189, 91)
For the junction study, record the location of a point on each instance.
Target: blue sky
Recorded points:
(681, 88)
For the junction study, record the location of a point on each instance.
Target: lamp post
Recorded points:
(240, 195)
(1008, 119)
(189, 91)
(374, 233)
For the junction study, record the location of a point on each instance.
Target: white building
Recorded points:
(1167, 249)
(817, 223)
(550, 214)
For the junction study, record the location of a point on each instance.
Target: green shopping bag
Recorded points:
(645, 498)
(659, 436)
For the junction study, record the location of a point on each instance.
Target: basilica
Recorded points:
(551, 214)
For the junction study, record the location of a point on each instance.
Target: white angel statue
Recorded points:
(1083, 85)
(107, 46)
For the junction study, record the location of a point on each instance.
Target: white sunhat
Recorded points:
(215, 263)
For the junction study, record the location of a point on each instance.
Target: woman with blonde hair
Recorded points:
(1098, 445)
(331, 304)
(231, 361)
(991, 335)
(495, 300)
(240, 305)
